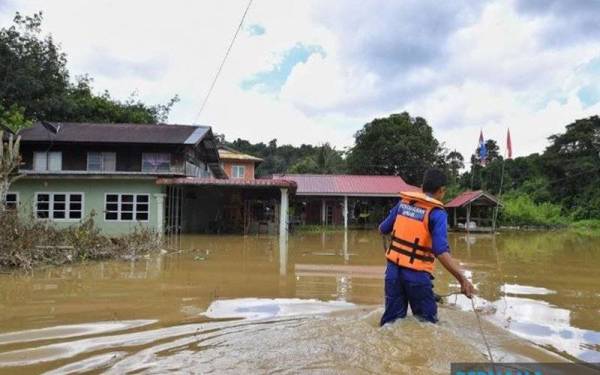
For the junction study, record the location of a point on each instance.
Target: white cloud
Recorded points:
(463, 67)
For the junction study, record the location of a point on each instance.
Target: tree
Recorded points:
(397, 145)
(455, 162)
(35, 83)
(9, 165)
(324, 160)
(493, 153)
(572, 164)
(13, 118)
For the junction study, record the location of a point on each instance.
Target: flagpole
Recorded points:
(501, 184)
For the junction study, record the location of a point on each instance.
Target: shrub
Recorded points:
(520, 209)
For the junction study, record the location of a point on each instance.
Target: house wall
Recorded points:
(94, 191)
(249, 172)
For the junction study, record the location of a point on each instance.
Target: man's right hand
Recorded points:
(467, 288)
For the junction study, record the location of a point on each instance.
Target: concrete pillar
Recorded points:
(160, 213)
(346, 254)
(323, 212)
(283, 232)
(283, 254)
(468, 217)
(345, 212)
(283, 212)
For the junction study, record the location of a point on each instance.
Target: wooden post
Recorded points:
(323, 212)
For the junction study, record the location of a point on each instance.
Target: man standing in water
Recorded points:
(418, 224)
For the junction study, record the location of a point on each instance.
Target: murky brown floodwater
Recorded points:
(233, 304)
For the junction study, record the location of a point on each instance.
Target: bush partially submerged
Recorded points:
(25, 243)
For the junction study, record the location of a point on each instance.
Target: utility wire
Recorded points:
(214, 81)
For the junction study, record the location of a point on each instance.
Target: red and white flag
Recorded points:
(508, 145)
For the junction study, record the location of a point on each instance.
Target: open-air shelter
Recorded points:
(473, 211)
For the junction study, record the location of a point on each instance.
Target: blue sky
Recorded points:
(316, 71)
(271, 80)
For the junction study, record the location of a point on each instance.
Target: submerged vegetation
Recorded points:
(27, 243)
(586, 227)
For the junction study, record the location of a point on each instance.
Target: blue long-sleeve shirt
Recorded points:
(438, 226)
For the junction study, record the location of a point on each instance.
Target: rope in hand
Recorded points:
(485, 341)
(480, 325)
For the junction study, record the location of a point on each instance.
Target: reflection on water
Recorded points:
(309, 303)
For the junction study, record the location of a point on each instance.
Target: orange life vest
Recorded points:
(411, 240)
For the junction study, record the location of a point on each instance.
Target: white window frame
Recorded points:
(119, 210)
(157, 170)
(46, 167)
(103, 166)
(17, 200)
(238, 167)
(51, 205)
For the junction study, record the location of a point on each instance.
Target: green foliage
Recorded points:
(290, 159)
(36, 84)
(324, 160)
(13, 118)
(455, 162)
(572, 164)
(586, 227)
(397, 145)
(520, 209)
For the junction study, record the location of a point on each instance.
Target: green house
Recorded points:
(73, 169)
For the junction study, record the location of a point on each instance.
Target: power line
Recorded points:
(214, 81)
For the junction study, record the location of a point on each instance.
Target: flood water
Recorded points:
(233, 304)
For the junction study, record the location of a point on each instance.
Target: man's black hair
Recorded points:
(433, 180)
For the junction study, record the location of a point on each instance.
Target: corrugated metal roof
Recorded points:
(350, 185)
(228, 154)
(116, 133)
(469, 197)
(200, 181)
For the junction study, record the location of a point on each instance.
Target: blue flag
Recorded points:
(482, 149)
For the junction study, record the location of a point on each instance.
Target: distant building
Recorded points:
(72, 169)
(344, 199)
(237, 164)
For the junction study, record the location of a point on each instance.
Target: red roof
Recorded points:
(350, 185)
(468, 197)
(202, 181)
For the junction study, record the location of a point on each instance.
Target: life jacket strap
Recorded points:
(414, 245)
(411, 254)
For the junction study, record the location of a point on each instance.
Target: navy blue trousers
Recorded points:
(399, 293)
